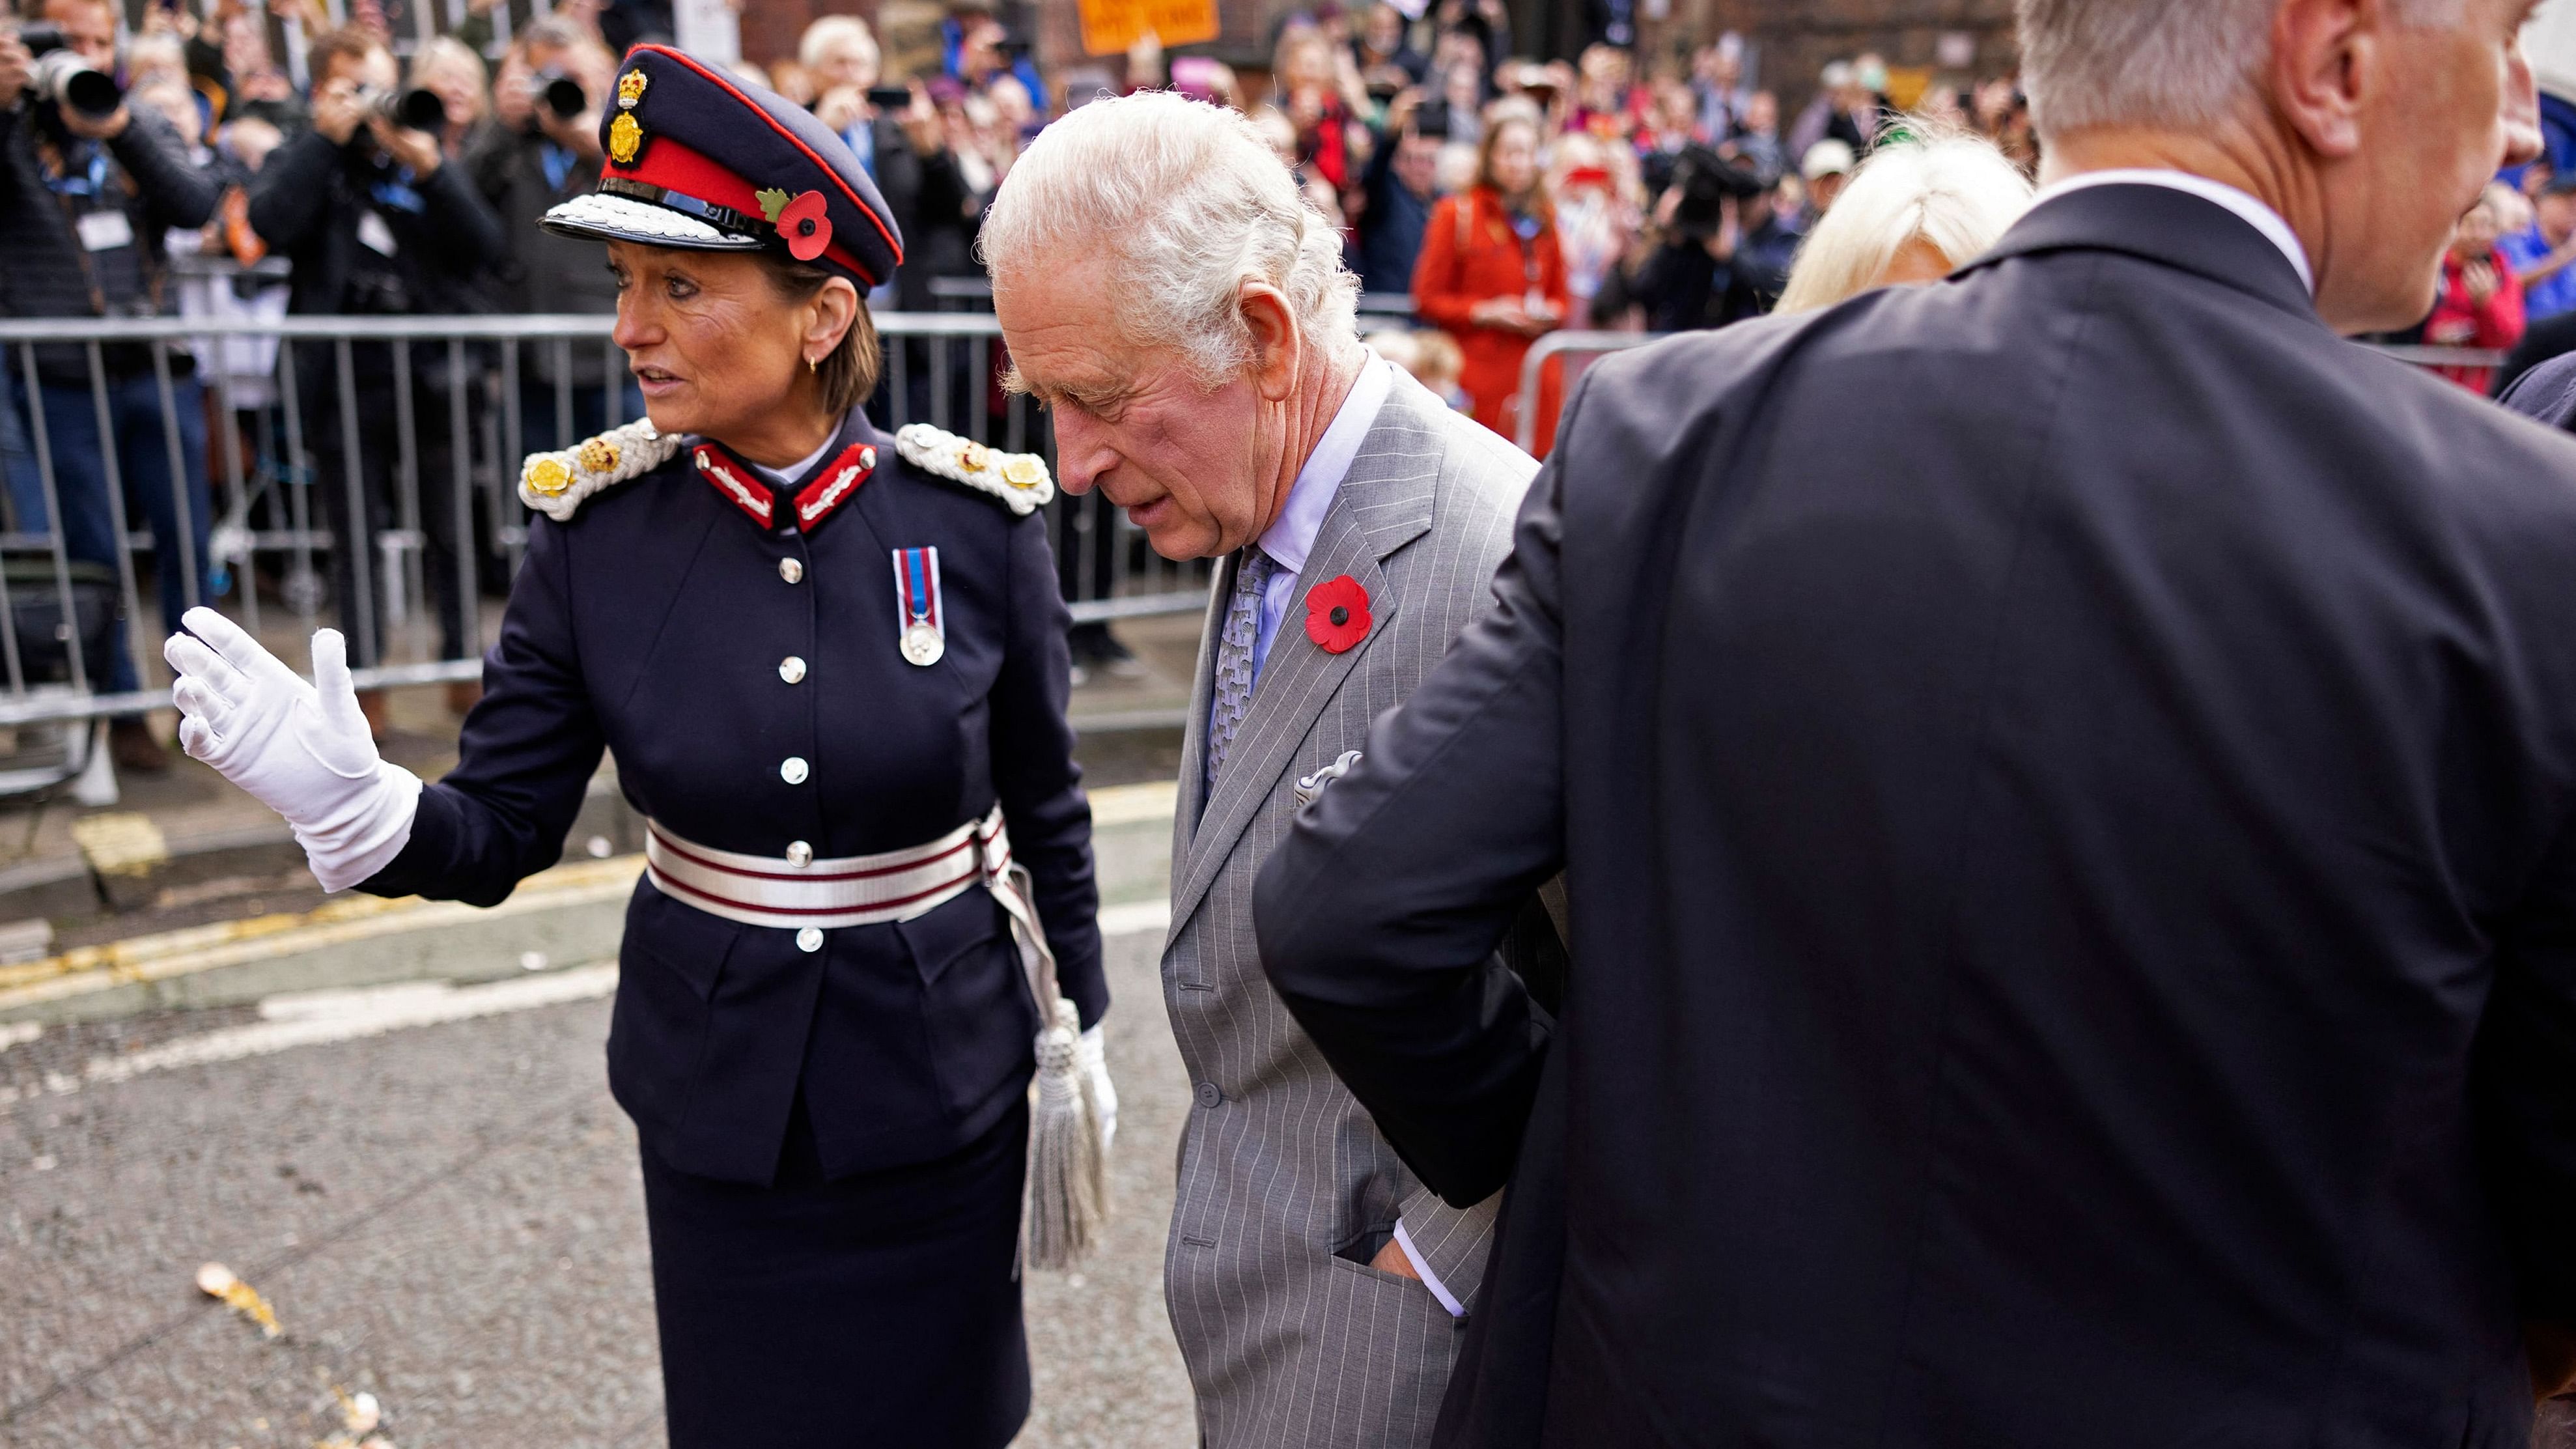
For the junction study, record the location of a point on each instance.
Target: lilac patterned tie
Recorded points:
(1234, 658)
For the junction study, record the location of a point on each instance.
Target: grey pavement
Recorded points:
(448, 1217)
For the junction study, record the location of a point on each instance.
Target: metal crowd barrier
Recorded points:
(418, 426)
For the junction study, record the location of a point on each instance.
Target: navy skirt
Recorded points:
(876, 1310)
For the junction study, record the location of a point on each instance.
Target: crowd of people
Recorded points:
(1484, 200)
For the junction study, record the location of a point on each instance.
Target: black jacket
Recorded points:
(310, 201)
(931, 204)
(42, 274)
(652, 625)
(539, 271)
(2067, 779)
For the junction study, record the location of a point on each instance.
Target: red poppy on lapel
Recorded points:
(1337, 614)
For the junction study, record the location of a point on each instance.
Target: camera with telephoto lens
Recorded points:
(560, 93)
(1706, 180)
(413, 110)
(60, 74)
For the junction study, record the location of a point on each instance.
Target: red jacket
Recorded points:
(1469, 255)
(2460, 322)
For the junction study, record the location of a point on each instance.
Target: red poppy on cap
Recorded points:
(1337, 614)
(804, 227)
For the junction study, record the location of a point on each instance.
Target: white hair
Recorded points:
(830, 32)
(1185, 202)
(2166, 64)
(1950, 190)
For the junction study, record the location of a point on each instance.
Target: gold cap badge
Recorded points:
(625, 138)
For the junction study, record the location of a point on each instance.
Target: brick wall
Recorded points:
(1797, 37)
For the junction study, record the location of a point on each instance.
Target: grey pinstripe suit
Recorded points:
(1286, 1188)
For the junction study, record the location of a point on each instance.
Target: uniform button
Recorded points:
(810, 940)
(1209, 1096)
(799, 854)
(792, 770)
(791, 669)
(791, 570)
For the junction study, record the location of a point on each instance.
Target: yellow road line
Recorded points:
(334, 923)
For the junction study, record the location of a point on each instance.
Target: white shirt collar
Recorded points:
(793, 471)
(1292, 536)
(2262, 218)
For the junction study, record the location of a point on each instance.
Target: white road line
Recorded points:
(316, 1018)
(1136, 918)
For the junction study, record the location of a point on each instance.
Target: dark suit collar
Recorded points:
(2160, 224)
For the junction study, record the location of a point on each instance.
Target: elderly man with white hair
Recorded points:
(1184, 315)
(2066, 783)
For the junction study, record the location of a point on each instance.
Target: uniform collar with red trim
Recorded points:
(849, 462)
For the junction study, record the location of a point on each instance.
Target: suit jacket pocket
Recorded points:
(669, 966)
(678, 938)
(974, 1000)
(1388, 1346)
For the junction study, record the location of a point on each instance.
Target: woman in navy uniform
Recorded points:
(831, 665)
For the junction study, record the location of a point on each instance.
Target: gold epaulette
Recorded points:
(556, 483)
(1018, 479)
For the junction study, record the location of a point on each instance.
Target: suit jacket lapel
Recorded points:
(1384, 503)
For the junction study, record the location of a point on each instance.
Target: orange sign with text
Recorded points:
(1110, 27)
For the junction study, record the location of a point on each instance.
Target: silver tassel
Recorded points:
(1067, 1202)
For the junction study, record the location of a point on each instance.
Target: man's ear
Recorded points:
(2326, 59)
(835, 308)
(1276, 341)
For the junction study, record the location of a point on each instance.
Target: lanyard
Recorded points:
(558, 162)
(91, 182)
(1527, 229)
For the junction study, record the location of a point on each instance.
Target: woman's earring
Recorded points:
(813, 366)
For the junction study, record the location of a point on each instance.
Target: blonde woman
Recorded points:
(1917, 210)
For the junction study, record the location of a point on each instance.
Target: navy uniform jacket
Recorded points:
(2067, 779)
(653, 624)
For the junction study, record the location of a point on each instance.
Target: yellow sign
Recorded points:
(1110, 27)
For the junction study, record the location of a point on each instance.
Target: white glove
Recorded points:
(1092, 1057)
(302, 751)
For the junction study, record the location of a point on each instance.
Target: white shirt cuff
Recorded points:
(1422, 1269)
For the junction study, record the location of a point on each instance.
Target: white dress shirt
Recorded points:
(2255, 214)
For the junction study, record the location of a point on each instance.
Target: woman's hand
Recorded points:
(417, 150)
(1091, 1055)
(921, 125)
(841, 108)
(2479, 276)
(303, 750)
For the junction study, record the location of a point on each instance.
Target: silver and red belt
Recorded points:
(853, 890)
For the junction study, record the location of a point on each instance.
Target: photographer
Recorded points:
(898, 137)
(377, 224)
(88, 187)
(1718, 251)
(543, 149)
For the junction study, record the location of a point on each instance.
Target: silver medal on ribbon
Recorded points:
(919, 613)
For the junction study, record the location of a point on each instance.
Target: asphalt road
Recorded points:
(447, 1217)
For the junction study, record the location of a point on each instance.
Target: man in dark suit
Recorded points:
(2067, 779)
